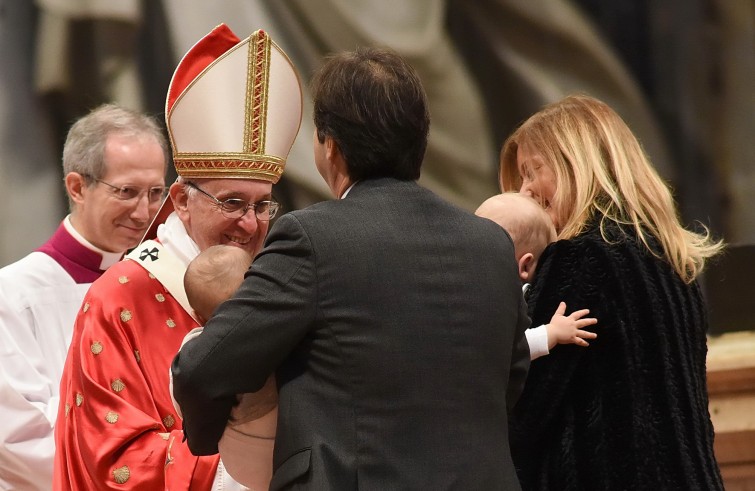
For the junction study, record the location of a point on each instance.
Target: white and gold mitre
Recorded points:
(233, 108)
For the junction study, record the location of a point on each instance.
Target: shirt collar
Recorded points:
(347, 190)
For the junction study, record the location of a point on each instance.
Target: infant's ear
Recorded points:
(526, 266)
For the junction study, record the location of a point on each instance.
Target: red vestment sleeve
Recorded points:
(116, 427)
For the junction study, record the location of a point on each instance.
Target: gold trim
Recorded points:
(96, 348)
(137, 356)
(188, 166)
(79, 399)
(123, 280)
(169, 421)
(160, 297)
(111, 417)
(257, 83)
(226, 158)
(249, 123)
(272, 176)
(126, 315)
(229, 165)
(86, 307)
(170, 323)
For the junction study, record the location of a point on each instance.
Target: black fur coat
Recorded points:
(629, 412)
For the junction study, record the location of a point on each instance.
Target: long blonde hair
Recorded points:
(602, 171)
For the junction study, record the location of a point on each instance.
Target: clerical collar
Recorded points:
(77, 256)
(108, 258)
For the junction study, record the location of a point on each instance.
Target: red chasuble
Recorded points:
(116, 426)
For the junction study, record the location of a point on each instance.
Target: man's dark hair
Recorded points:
(371, 102)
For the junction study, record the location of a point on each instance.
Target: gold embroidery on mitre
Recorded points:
(258, 76)
(125, 315)
(117, 385)
(169, 421)
(111, 417)
(137, 356)
(123, 280)
(121, 474)
(160, 297)
(79, 399)
(211, 164)
(96, 348)
(86, 307)
(68, 408)
(170, 323)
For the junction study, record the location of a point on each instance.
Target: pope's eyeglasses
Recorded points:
(127, 192)
(236, 208)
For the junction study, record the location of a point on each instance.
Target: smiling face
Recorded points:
(98, 214)
(205, 223)
(538, 180)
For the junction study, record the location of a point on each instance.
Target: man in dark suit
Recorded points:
(393, 320)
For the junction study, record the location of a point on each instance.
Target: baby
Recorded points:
(246, 447)
(532, 230)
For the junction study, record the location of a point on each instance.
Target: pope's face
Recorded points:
(205, 222)
(100, 215)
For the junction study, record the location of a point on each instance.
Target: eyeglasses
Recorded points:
(154, 194)
(236, 208)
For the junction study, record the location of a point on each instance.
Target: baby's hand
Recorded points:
(566, 330)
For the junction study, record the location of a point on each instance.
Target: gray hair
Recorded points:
(84, 149)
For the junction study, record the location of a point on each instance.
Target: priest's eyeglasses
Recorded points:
(126, 192)
(236, 208)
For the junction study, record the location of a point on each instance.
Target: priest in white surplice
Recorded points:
(114, 162)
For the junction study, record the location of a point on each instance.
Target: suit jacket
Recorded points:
(395, 324)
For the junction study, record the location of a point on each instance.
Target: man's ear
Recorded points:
(332, 150)
(75, 183)
(180, 198)
(335, 157)
(527, 265)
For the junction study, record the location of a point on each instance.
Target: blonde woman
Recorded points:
(630, 412)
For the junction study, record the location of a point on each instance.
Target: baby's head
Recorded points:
(527, 223)
(213, 276)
